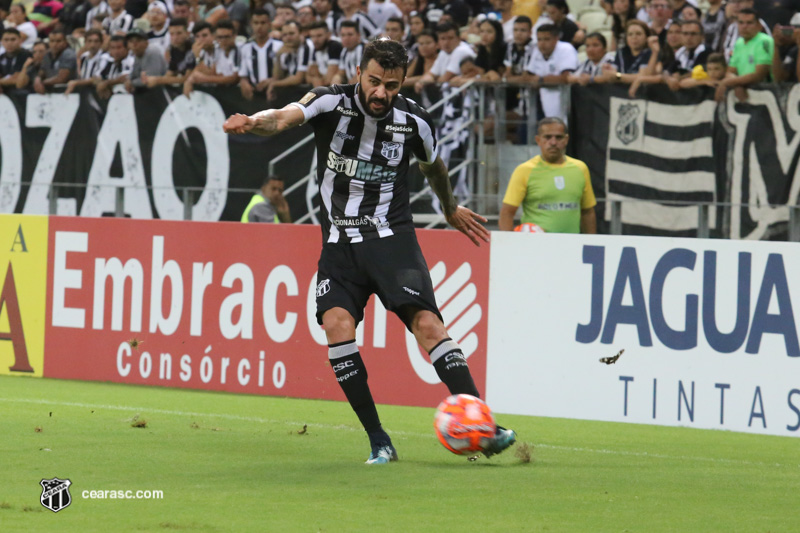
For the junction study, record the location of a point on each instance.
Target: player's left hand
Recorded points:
(469, 223)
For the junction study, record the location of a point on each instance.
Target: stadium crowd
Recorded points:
(265, 47)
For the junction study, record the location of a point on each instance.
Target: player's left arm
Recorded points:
(464, 220)
(267, 122)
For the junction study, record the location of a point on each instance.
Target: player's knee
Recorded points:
(427, 326)
(339, 325)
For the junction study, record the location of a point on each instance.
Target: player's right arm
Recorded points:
(267, 122)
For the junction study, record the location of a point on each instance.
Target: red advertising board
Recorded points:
(227, 306)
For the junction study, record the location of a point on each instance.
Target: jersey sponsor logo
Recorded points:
(346, 112)
(559, 182)
(411, 291)
(399, 128)
(307, 98)
(558, 206)
(391, 150)
(361, 170)
(357, 222)
(323, 287)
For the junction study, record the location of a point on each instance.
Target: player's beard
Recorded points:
(365, 103)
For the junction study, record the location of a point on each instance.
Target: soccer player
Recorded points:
(365, 134)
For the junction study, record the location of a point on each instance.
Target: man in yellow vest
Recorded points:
(555, 190)
(268, 205)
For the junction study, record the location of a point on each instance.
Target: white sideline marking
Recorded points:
(405, 433)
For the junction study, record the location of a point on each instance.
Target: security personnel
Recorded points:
(268, 205)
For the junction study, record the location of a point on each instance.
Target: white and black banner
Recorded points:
(659, 153)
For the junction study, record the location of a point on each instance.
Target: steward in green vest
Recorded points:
(268, 205)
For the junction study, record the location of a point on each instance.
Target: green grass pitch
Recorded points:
(242, 463)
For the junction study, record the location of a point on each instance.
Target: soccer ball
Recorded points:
(464, 424)
(529, 227)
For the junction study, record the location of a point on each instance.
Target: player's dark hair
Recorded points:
(552, 29)
(550, 120)
(180, 21)
(273, 177)
(717, 59)
(695, 22)
(95, 32)
(285, 5)
(319, 25)
(180, 3)
(261, 12)
(349, 24)
(15, 31)
(561, 5)
(291, 22)
(390, 55)
(117, 39)
(599, 36)
(695, 9)
(398, 20)
(524, 19)
(59, 30)
(444, 27)
(200, 26)
(225, 25)
(430, 33)
(313, 11)
(99, 18)
(748, 11)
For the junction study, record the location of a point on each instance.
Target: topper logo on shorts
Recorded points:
(55, 494)
(461, 315)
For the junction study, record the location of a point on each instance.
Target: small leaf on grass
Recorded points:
(139, 423)
(37, 429)
(302, 431)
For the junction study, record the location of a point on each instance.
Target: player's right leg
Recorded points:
(341, 298)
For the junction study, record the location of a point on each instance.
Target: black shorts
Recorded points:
(391, 267)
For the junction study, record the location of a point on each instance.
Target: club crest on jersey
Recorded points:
(559, 181)
(391, 150)
(307, 98)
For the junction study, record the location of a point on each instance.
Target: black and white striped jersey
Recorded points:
(258, 62)
(122, 23)
(112, 69)
(92, 66)
(350, 59)
(367, 28)
(362, 162)
(328, 55)
(297, 61)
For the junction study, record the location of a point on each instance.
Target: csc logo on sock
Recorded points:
(455, 295)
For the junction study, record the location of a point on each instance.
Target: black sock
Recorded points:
(451, 367)
(352, 377)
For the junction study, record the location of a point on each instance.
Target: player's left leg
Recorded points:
(445, 353)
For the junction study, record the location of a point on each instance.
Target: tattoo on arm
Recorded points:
(266, 123)
(437, 176)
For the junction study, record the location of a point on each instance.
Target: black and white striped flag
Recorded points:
(658, 154)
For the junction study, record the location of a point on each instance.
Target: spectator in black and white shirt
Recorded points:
(180, 57)
(597, 55)
(219, 64)
(325, 12)
(99, 7)
(90, 63)
(352, 48)
(257, 70)
(181, 10)
(118, 21)
(324, 67)
(293, 59)
(351, 11)
(713, 21)
(117, 70)
(13, 59)
(159, 26)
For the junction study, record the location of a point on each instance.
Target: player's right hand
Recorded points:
(238, 124)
